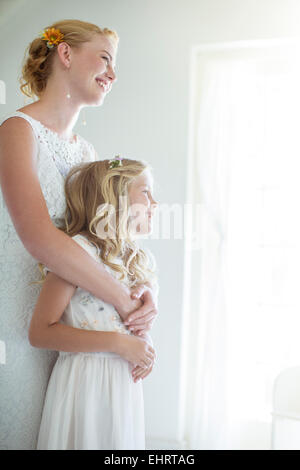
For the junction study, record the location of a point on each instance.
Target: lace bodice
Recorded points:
(56, 157)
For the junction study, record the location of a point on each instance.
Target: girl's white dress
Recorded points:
(92, 401)
(25, 370)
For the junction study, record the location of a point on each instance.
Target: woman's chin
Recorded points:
(97, 103)
(95, 100)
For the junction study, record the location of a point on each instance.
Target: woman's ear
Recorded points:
(64, 54)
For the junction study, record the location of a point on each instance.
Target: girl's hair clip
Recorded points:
(115, 162)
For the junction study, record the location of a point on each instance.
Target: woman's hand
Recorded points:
(140, 321)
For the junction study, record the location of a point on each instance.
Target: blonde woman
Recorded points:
(69, 67)
(92, 402)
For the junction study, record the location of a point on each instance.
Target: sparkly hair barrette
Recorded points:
(52, 36)
(115, 162)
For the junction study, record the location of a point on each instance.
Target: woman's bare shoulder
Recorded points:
(15, 124)
(16, 134)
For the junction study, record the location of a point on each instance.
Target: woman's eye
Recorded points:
(106, 58)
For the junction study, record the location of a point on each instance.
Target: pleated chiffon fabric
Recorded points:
(92, 402)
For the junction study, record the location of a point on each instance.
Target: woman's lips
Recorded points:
(102, 84)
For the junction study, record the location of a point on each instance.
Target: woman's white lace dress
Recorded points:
(24, 376)
(92, 402)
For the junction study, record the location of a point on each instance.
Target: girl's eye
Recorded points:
(106, 58)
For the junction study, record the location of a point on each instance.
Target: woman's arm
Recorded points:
(45, 331)
(27, 207)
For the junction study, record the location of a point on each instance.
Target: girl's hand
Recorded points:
(135, 350)
(139, 373)
(140, 321)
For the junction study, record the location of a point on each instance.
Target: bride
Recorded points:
(68, 67)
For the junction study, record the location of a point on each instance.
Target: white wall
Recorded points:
(146, 116)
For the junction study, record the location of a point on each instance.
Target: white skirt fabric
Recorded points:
(92, 403)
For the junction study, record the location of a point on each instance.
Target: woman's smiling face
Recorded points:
(142, 203)
(92, 70)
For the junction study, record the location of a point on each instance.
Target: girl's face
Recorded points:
(142, 204)
(92, 70)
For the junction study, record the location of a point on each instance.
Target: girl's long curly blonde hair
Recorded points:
(38, 59)
(92, 190)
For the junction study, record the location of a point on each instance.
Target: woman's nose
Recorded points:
(111, 74)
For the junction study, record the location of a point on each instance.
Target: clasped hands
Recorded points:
(140, 322)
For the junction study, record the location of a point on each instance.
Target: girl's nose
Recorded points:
(154, 204)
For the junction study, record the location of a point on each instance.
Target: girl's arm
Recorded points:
(45, 331)
(27, 207)
(141, 372)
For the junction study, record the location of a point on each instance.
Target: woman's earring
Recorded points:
(83, 118)
(25, 100)
(68, 96)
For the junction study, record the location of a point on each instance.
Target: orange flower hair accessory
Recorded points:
(52, 36)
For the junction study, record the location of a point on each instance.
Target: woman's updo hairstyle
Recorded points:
(38, 59)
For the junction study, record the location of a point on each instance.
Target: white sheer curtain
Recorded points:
(240, 315)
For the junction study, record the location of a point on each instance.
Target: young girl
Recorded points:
(92, 399)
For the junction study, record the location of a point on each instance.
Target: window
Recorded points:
(241, 292)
